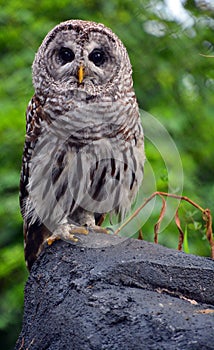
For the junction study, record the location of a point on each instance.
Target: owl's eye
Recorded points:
(97, 56)
(66, 55)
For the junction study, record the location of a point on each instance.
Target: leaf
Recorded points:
(195, 226)
(185, 243)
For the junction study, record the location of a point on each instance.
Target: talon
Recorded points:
(110, 230)
(66, 233)
(79, 230)
(100, 229)
(51, 239)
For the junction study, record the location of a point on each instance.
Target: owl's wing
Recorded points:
(32, 133)
(36, 233)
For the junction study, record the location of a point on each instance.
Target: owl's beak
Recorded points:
(80, 74)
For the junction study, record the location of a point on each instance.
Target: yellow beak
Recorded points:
(80, 74)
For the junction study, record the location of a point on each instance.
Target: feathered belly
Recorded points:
(97, 177)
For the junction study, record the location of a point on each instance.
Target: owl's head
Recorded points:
(81, 55)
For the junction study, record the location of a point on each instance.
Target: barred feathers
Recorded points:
(84, 150)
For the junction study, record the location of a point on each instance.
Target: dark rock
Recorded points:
(109, 293)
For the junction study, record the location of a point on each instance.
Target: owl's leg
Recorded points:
(94, 221)
(66, 232)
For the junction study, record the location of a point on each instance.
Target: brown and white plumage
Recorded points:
(84, 149)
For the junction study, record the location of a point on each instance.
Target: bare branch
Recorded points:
(158, 223)
(181, 233)
(207, 217)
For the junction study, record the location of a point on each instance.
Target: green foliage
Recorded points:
(12, 275)
(173, 82)
(186, 245)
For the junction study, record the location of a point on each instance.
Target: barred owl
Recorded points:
(84, 153)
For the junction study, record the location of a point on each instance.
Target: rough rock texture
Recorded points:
(118, 294)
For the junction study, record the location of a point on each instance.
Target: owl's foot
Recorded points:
(99, 229)
(66, 233)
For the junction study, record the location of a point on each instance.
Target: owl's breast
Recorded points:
(84, 122)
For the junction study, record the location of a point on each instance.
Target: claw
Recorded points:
(66, 233)
(51, 239)
(99, 229)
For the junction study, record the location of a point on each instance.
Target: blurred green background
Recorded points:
(172, 80)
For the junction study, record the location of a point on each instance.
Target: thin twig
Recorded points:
(208, 218)
(206, 215)
(181, 233)
(158, 223)
(135, 213)
(140, 234)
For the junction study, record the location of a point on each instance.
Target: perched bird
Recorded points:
(84, 152)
